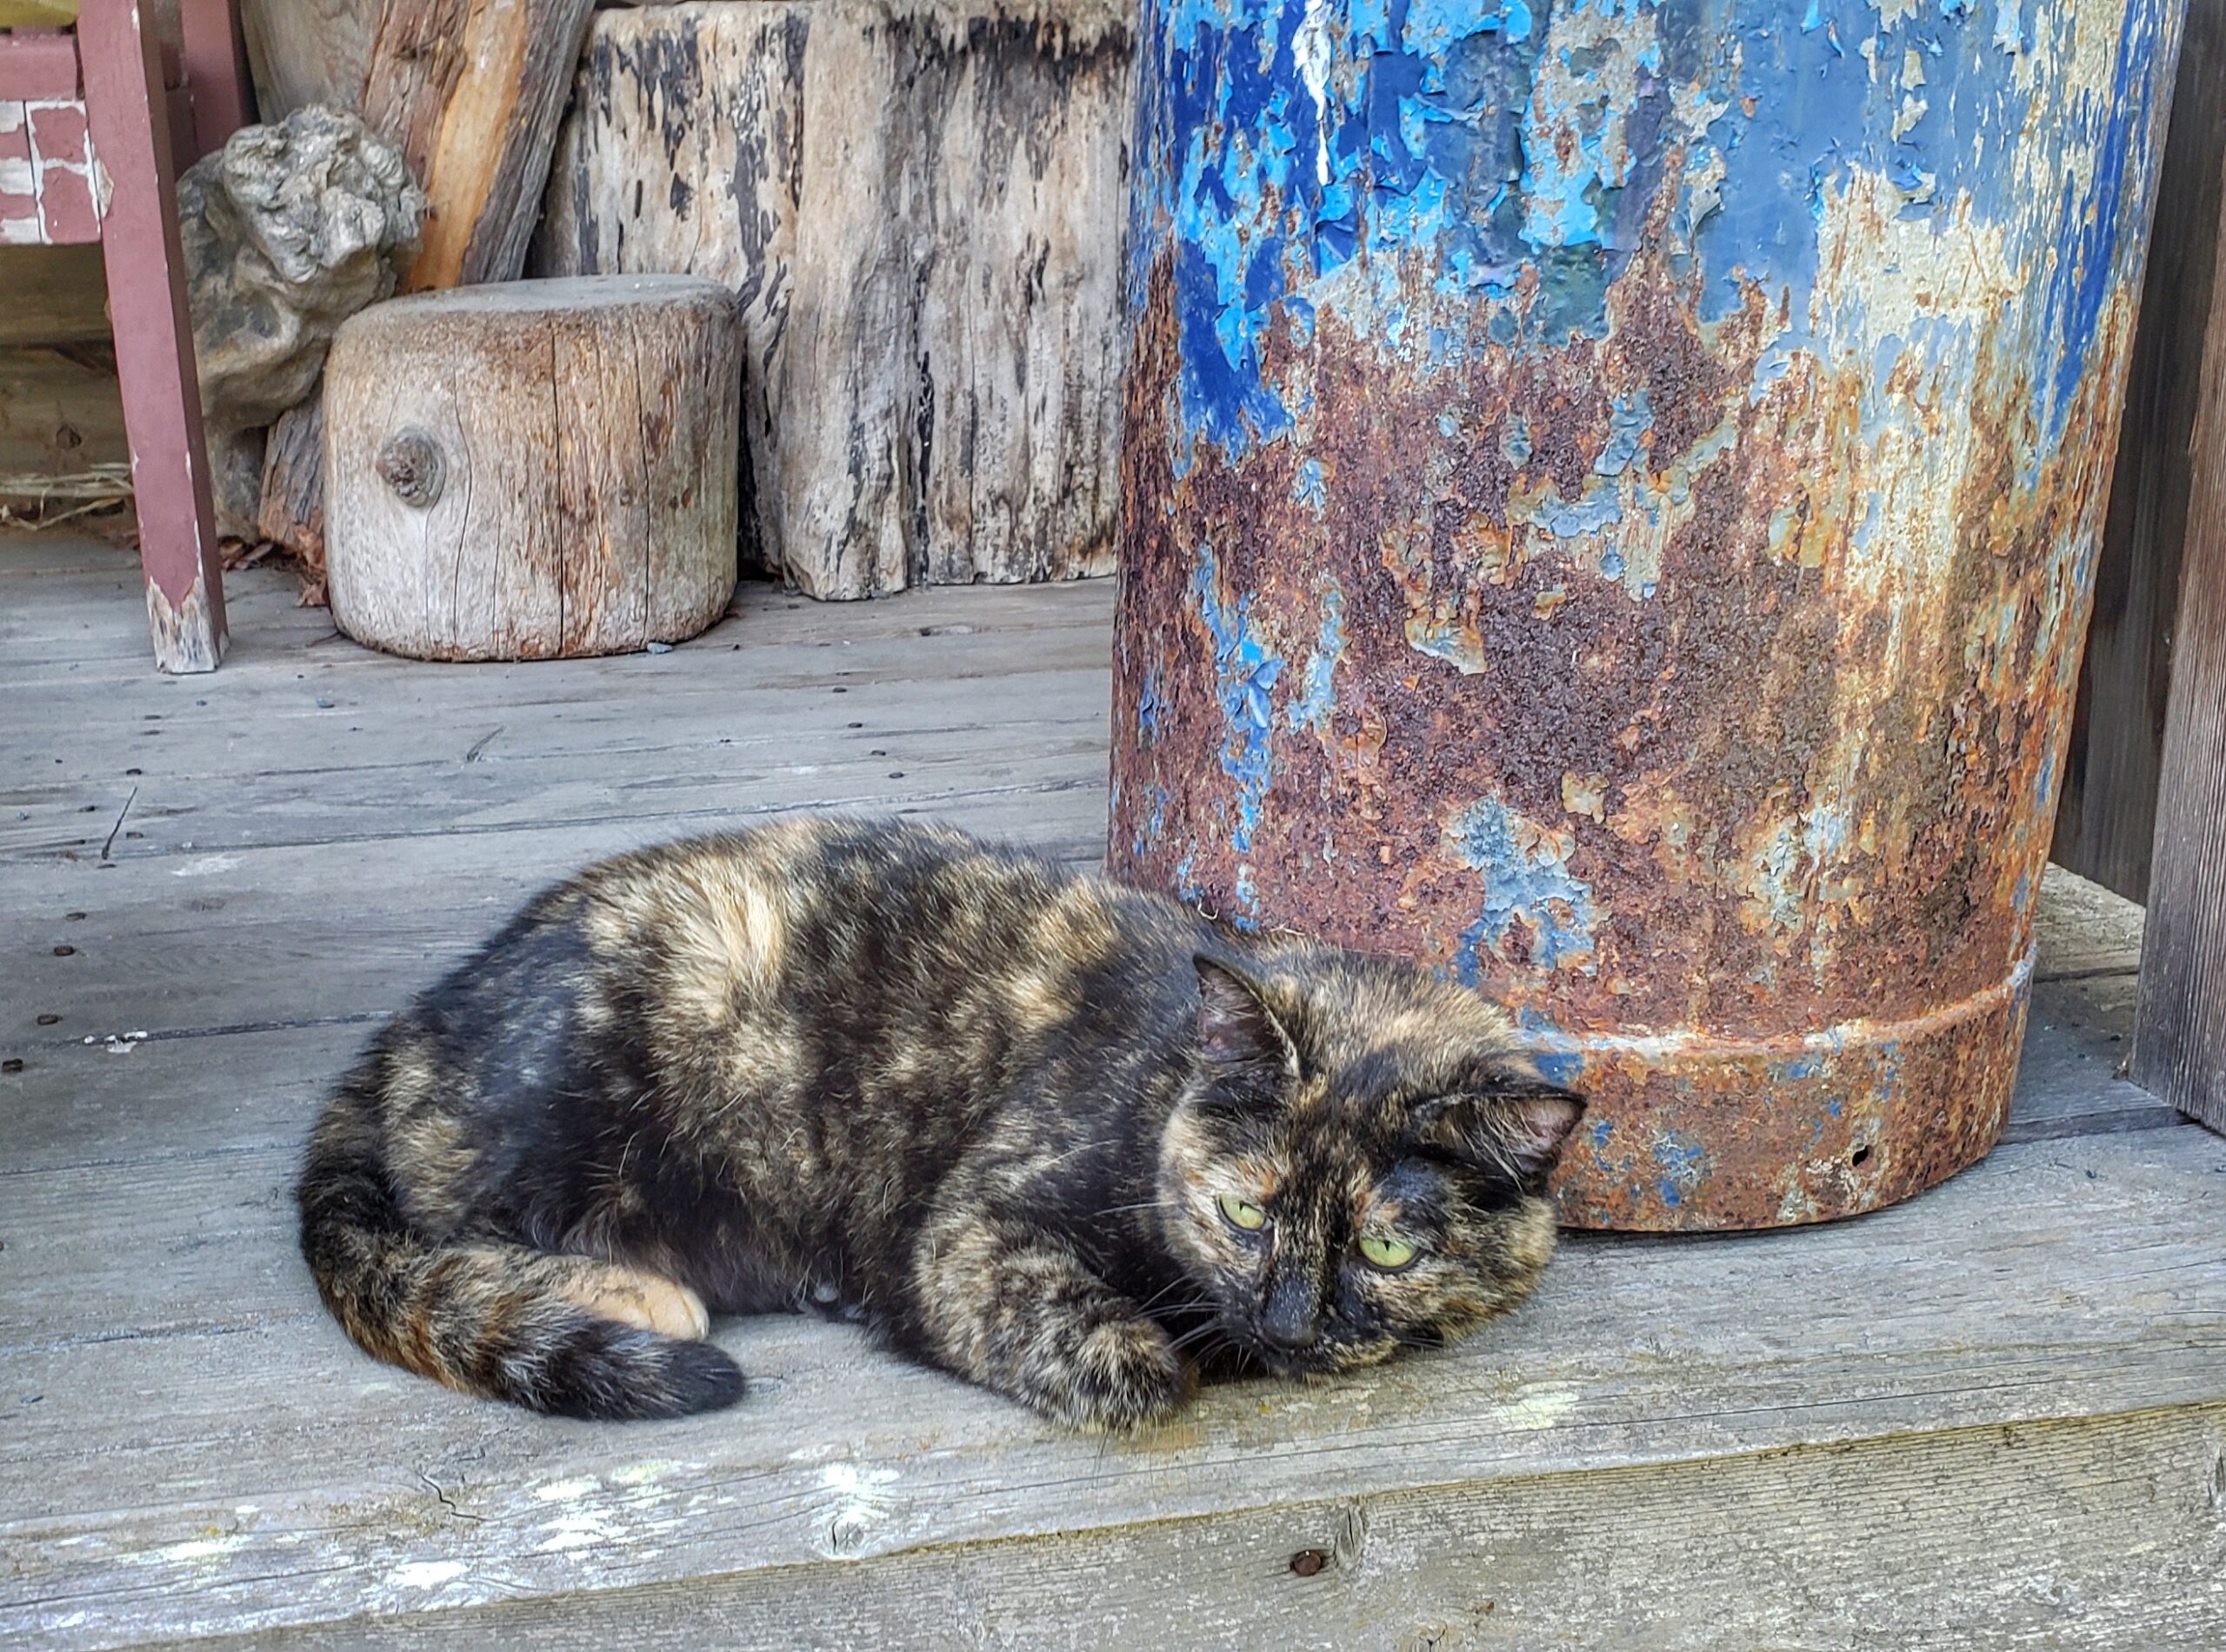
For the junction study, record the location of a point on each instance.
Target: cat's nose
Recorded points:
(1291, 1320)
(1291, 1337)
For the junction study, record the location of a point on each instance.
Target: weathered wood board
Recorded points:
(292, 511)
(472, 90)
(2107, 814)
(307, 51)
(1991, 1417)
(920, 205)
(60, 408)
(2180, 1038)
(56, 296)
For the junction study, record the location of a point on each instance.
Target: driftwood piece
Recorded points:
(288, 230)
(470, 91)
(307, 51)
(920, 206)
(533, 469)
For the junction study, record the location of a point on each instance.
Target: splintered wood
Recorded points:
(533, 469)
(920, 207)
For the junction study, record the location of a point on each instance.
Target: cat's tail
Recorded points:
(567, 1334)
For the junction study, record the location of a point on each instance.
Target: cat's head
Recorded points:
(1358, 1162)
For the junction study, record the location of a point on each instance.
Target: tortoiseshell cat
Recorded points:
(1057, 1136)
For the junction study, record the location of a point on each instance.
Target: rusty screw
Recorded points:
(1308, 1561)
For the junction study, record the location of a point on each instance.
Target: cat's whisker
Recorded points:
(1179, 1282)
(1079, 1148)
(1197, 1333)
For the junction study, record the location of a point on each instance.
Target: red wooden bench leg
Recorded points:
(125, 106)
(215, 71)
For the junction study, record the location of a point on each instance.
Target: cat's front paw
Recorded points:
(1122, 1374)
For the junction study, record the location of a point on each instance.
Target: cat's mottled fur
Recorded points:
(1000, 1114)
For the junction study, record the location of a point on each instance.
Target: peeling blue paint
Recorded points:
(1683, 1161)
(1835, 241)
(1245, 672)
(1247, 917)
(1312, 708)
(1629, 421)
(1527, 886)
(1600, 507)
(1492, 140)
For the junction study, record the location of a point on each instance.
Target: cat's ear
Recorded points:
(1237, 1033)
(1513, 1121)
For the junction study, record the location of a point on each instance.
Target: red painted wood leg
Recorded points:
(154, 336)
(216, 72)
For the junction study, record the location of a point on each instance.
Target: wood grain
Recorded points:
(910, 200)
(1771, 1350)
(681, 152)
(2180, 1036)
(307, 51)
(533, 469)
(2106, 816)
(1973, 1539)
(292, 511)
(470, 90)
(56, 296)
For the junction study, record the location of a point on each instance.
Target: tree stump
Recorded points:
(533, 471)
(919, 203)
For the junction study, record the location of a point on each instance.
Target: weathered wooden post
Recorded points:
(917, 204)
(1609, 496)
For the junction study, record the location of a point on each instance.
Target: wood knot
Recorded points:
(411, 464)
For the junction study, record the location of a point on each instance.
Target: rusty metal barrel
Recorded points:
(1610, 496)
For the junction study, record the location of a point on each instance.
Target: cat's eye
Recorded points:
(1242, 1213)
(1388, 1255)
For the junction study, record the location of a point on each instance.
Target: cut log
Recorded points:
(920, 206)
(533, 469)
(471, 91)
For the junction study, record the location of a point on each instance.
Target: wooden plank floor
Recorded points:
(1994, 1416)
